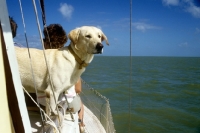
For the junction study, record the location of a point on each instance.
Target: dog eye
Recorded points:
(88, 36)
(99, 36)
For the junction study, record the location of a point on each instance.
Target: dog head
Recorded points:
(88, 39)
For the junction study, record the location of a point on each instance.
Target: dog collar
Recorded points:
(82, 63)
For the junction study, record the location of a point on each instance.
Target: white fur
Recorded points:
(63, 68)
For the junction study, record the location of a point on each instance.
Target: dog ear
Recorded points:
(104, 38)
(73, 35)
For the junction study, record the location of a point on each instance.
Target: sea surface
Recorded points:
(154, 95)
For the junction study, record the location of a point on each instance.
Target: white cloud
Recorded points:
(66, 10)
(197, 30)
(33, 41)
(115, 39)
(185, 44)
(171, 2)
(141, 26)
(186, 5)
(194, 10)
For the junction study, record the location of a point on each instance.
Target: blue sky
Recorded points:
(159, 27)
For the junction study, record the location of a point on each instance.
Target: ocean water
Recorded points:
(163, 93)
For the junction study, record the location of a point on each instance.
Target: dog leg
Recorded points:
(52, 102)
(47, 107)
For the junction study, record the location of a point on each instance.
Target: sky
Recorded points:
(158, 27)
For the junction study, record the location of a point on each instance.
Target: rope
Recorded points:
(50, 122)
(30, 57)
(130, 83)
(41, 110)
(52, 87)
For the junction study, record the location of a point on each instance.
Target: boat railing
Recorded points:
(98, 105)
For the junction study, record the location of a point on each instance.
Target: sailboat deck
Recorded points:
(90, 120)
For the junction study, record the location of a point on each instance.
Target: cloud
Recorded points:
(171, 2)
(66, 10)
(33, 41)
(185, 44)
(186, 5)
(115, 39)
(197, 30)
(194, 10)
(141, 26)
(123, 22)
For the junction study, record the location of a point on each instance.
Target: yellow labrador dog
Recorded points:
(65, 65)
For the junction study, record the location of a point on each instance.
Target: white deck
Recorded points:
(90, 120)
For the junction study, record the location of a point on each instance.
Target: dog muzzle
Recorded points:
(99, 48)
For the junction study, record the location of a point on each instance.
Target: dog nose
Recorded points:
(99, 47)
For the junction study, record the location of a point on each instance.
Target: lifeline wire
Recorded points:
(30, 57)
(130, 82)
(52, 88)
(93, 105)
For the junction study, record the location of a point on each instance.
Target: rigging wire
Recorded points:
(43, 12)
(44, 19)
(52, 87)
(130, 82)
(30, 60)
